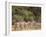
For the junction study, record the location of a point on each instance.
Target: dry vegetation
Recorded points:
(18, 26)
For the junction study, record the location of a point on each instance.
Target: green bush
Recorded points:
(20, 13)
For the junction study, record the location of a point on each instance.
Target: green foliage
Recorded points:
(20, 13)
(18, 18)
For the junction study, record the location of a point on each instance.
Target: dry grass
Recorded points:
(20, 26)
